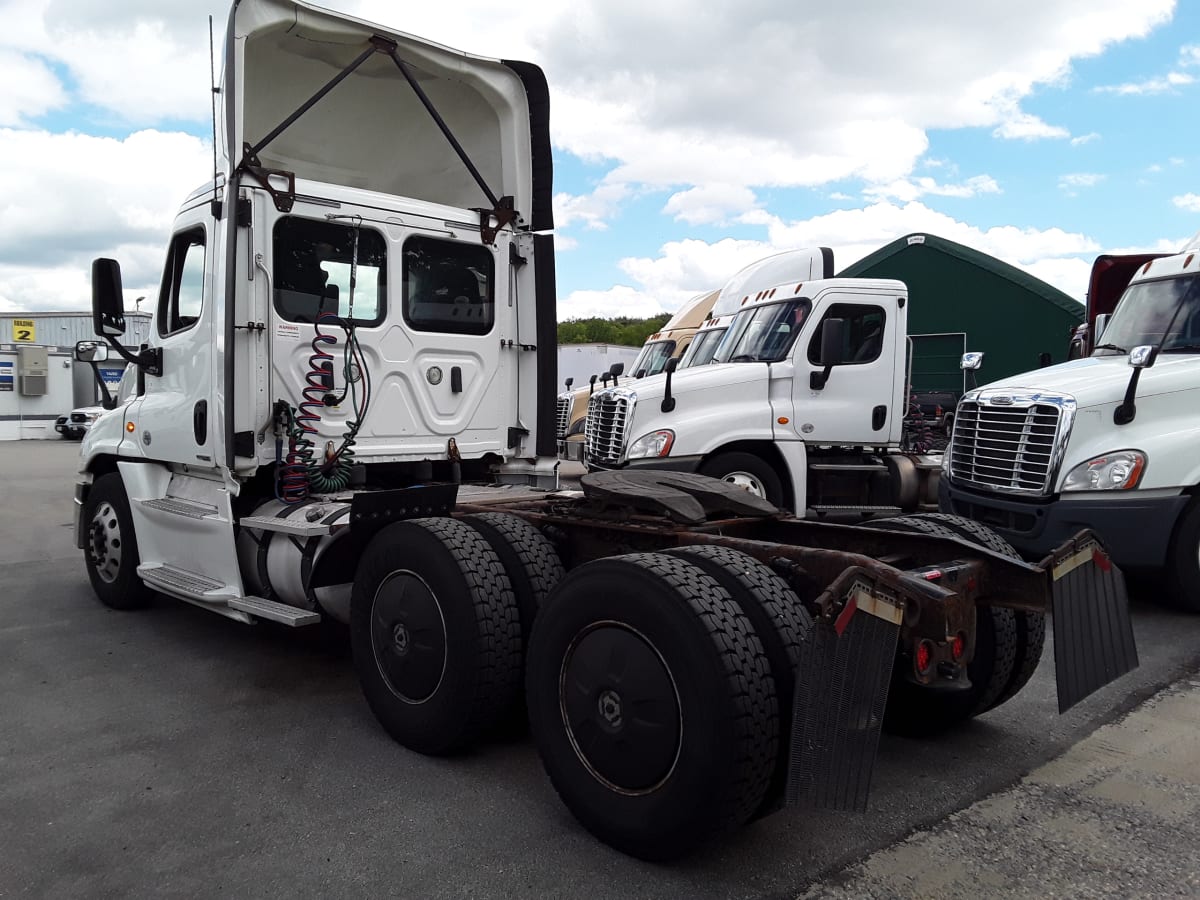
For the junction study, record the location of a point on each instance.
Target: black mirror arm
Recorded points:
(668, 402)
(1125, 413)
(148, 358)
(818, 380)
(108, 401)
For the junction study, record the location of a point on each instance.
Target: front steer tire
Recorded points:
(651, 704)
(1183, 560)
(435, 633)
(111, 548)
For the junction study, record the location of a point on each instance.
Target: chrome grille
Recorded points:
(1010, 448)
(562, 416)
(604, 429)
(79, 417)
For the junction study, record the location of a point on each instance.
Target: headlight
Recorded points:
(92, 417)
(656, 443)
(1120, 471)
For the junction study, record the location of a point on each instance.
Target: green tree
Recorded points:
(622, 330)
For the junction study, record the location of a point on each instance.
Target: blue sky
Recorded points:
(687, 143)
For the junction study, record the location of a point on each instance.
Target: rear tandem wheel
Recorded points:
(651, 704)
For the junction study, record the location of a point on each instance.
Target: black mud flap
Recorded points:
(841, 690)
(1093, 635)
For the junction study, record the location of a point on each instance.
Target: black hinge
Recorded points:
(245, 213)
(515, 433)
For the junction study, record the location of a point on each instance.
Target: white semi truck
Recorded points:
(356, 322)
(1107, 442)
(803, 403)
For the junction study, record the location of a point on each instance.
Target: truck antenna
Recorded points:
(212, 73)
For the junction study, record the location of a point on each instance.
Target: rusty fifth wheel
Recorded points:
(652, 704)
(436, 634)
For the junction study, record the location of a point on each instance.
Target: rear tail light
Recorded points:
(924, 657)
(958, 647)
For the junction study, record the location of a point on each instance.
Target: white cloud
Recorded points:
(592, 209)
(1150, 86)
(710, 204)
(1085, 138)
(30, 88)
(1189, 202)
(683, 268)
(612, 303)
(907, 189)
(68, 198)
(1074, 182)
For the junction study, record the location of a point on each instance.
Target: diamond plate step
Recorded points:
(276, 612)
(177, 506)
(174, 580)
(299, 528)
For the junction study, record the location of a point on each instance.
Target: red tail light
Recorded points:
(924, 657)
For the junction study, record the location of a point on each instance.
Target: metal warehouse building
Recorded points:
(39, 379)
(961, 299)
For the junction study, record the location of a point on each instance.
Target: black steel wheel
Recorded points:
(781, 623)
(651, 704)
(435, 633)
(110, 545)
(915, 710)
(530, 560)
(1031, 626)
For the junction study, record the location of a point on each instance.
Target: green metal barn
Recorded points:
(961, 300)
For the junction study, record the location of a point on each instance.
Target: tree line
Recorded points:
(624, 330)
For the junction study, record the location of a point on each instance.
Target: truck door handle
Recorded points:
(455, 380)
(200, 421)
(878, 417)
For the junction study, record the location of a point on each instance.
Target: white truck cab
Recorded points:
(1107, 442)
(798, 413)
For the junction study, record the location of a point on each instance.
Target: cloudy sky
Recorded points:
(689, 139)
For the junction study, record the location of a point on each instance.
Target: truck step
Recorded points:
(296, 527)
(177, 506)
(182, 582)
(847, 467)
(276, 612)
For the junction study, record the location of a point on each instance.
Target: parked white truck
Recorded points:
(1108, 442)
(803, 403)
(357, 320)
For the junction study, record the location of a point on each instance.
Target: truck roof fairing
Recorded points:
(373, 130)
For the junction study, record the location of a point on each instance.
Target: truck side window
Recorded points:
(312, 266)
(181, 296)
(448, 286)
(864, 333)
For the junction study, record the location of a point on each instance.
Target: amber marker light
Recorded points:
(782, 420)
(130, 427)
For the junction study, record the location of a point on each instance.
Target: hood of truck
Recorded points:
(372, 130)
(1098, 381)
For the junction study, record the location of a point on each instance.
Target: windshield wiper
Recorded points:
(745, 357)
(1182, 348)
(1110, 347)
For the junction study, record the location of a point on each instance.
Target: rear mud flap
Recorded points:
(1093, 634)
(842, 682)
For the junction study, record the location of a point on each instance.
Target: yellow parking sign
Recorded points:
(23, 331)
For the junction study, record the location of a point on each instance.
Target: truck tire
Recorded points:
(1031, 626)
(111, 548)
(529, 559)
(435, 633)
(747, 471)
(780, 621)
(1183, 560)
(914, 710)
(651, 704)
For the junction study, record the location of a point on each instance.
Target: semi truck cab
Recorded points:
(1107, 442)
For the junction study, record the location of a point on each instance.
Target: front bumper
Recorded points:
(662, 463)
(1135, 529)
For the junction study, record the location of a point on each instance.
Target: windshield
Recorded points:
(1150, 310)
(653, 357)
(700, 353)
(763, 334)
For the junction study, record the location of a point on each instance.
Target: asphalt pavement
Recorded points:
(176, 753)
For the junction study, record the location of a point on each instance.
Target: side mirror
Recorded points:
(1142, 357)
(971, 362)
(108, 303)
(833, 342)
(640, 373)
(591, 385)
(1101, 324)
(672, 365)
(617, 368)
(91, 351)
(570, 381)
